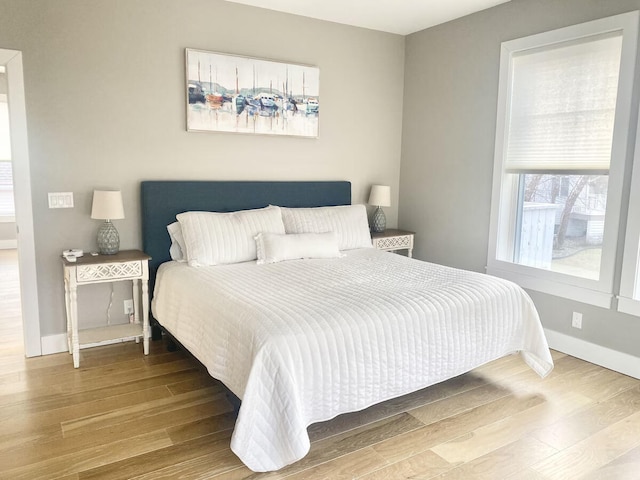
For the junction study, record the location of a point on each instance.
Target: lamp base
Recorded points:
(108, 239)
(379, 221)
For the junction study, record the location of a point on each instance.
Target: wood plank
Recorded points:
(594, 452)
(89, 458)
(351, 465)
(425, 397)
(196, 382)
(592, 381)
(161, 413)
(353, 440)
(528, 474)
(201, 427)
(458, 403)
(38, 399)
(577, 427)
(428, 436)
(95, 378)
(492, 436)
(62, 399)
(47, 445)
(207, 466)
(19, 364)
(567, 371)
(33, 435)
(337, 446)
(215, 445)
(421, 466)
(502, 462)
(625, 467)
(13, 419)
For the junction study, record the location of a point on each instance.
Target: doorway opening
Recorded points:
(11, 338)
(22, 264)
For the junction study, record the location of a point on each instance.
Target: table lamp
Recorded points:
(380, 197)
(107, 206)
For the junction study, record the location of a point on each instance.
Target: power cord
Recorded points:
(110, 304)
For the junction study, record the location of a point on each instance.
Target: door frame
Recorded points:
(12, 61)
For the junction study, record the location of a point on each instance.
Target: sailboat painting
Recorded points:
(229, 93)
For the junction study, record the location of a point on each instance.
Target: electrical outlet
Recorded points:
(128, 307)
(576, 320)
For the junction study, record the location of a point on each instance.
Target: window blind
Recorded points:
(562, 108)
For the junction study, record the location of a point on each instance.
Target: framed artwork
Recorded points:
(229, 93)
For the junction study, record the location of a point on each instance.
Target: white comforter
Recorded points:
(305, 340)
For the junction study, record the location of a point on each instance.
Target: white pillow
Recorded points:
(178, 248)
(273, 247)
(348, 221)
(221, 238)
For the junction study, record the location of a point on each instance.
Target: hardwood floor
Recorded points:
(125, 416)
(11, 343)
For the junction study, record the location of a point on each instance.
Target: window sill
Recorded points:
(7, 219)
(629, 306)
(556, 288)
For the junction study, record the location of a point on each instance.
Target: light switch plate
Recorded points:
(60, 199)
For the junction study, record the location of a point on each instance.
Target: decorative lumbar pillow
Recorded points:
(348, 221)
(178, 248)
(273, 247)
(220, 238)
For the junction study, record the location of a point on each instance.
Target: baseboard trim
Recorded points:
(58, 343)
(603, 356)
(54, 344)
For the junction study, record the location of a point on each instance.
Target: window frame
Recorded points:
(629, 297)
(504, 192)
(4, 218)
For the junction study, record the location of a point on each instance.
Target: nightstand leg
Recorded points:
(136, 300)
(67, 305)
(136, 303)
(75, 343)
(145, 315)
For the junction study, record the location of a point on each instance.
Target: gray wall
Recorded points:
(451, 87)
(105, 108)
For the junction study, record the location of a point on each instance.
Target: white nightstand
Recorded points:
(392, 239)
(125, 265)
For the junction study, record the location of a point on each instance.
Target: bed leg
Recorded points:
(235, 401)
(156, 331)
(171, 345)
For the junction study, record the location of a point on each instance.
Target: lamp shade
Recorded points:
(380, 196)
(107, 205)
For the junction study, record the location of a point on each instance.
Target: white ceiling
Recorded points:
(394, 16)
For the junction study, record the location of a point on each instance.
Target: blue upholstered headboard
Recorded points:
(163, 200)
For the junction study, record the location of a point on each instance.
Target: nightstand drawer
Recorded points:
(394, 243)
(393, 240)
(108, 271)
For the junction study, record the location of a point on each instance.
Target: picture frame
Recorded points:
(237, 94)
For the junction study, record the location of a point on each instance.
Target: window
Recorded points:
(564, 110)
(560, 223)
(7, 209)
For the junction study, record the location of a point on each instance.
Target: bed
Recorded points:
(303, 337)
